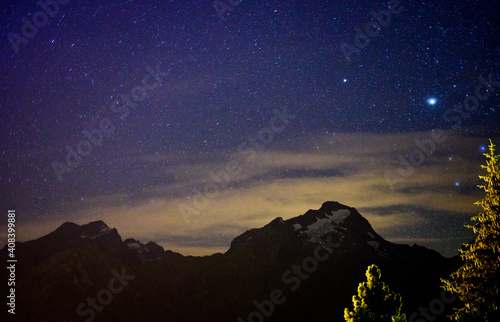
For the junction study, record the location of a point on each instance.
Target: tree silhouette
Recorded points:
(375, 302)
(476, 282)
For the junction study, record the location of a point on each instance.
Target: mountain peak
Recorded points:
(333, 205)
(67, 227)
(94, 229)
(327, 210)
(91, 230)
(315, 224)
(97, 224)
(275, 222)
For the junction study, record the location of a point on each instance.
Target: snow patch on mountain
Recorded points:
(134, 246)
(323, 226)
(103, 231)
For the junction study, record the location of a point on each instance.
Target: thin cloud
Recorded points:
(348, 168)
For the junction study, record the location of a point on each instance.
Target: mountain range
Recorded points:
(305, 268)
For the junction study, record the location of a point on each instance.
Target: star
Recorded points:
(345, 80)
(431, 101)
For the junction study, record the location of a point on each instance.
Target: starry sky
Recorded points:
(190, 122)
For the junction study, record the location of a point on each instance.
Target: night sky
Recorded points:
(177, 122)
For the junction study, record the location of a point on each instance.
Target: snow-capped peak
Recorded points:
(94, 230)
(323, 226)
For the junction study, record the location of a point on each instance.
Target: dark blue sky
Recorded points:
(221, 83)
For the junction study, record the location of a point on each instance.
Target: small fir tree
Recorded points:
(375, 302)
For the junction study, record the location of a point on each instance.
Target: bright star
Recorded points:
(345, 80)
(483, 148)
(457, 184)
(432, 101)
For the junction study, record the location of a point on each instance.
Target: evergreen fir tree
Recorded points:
(375, 302)
(476, 282)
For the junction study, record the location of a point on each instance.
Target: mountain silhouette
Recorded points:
(305, 268)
